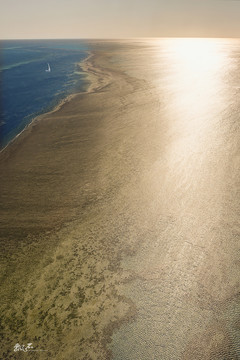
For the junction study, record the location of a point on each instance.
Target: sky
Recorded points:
(35, 19)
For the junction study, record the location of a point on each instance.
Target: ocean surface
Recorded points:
(186, 294)
(140, 184)
(27, 90)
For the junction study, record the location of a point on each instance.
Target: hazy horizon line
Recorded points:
(124, 38)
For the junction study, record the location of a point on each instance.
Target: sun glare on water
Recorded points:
(201, 54)
(194, 81)
(196, 76)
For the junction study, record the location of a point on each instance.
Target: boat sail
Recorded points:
(48, 69)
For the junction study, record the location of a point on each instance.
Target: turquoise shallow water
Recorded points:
(27, 90)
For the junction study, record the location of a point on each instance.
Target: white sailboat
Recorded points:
(48, 69)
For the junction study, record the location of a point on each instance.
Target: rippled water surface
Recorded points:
(186, 266)
(120, 212)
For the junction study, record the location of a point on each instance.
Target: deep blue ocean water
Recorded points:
(27, 90)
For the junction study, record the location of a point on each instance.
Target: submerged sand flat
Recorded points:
(119, 226)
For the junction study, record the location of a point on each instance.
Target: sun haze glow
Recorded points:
(198, 67)
(119, 18)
